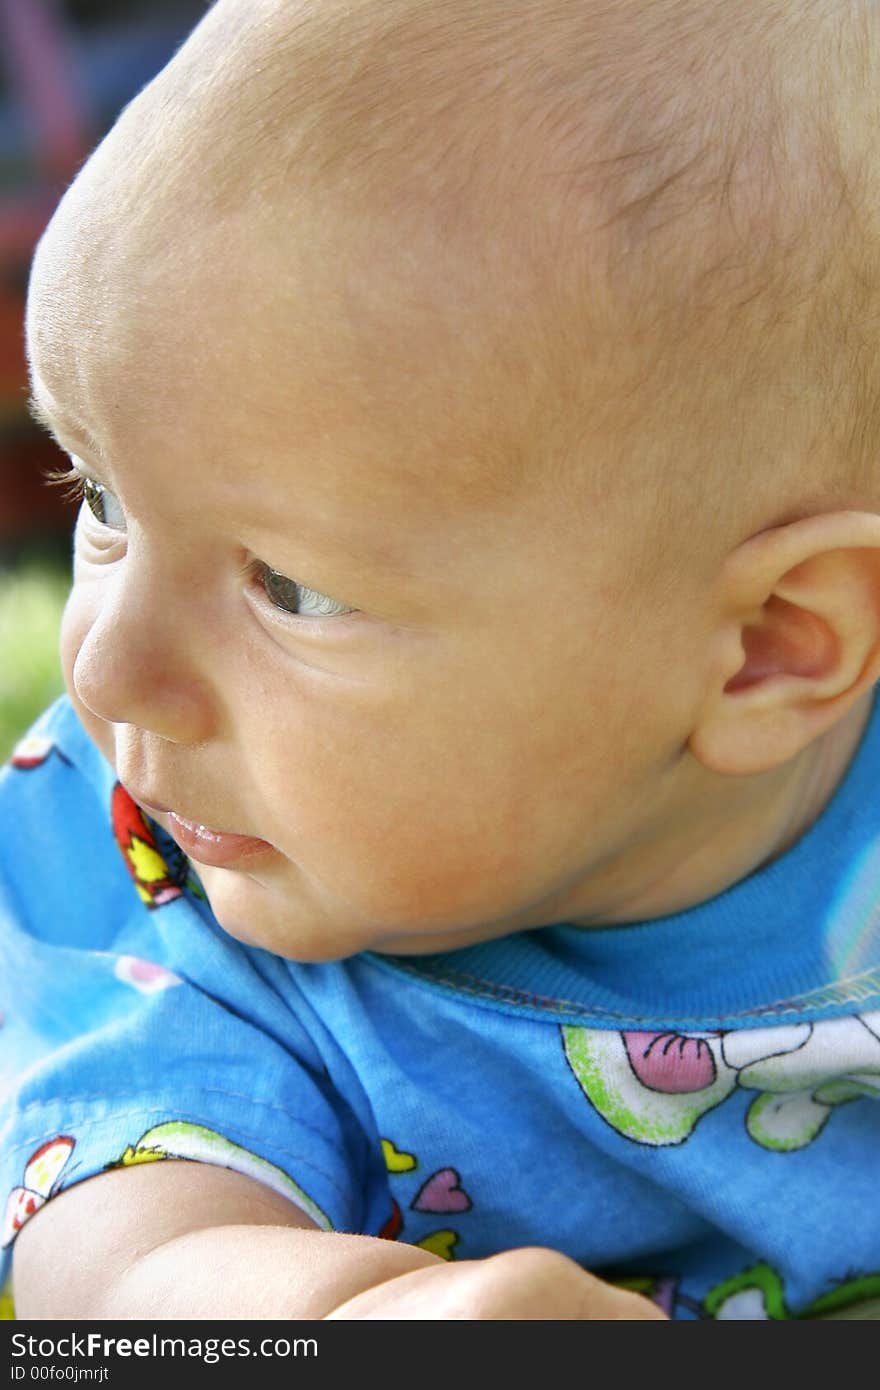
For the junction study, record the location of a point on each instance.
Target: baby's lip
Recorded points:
(216, 848)
(202, 842)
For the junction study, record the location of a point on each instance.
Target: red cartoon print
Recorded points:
(41, 1174)
(33, 750)
(154, 879)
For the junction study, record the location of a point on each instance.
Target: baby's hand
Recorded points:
(528, 1283)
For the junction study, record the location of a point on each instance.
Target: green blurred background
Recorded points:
(32, 594)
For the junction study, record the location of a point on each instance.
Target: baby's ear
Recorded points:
(797, 641)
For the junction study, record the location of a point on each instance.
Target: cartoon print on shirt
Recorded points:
(157, 880)
(754, 1294)
(758, 1294)
(33, 750)
(396, 1161)
(394, 1225)
(440, 1243)
(145, 975)
(661, 1289)
(653, 1087)
(40, 1182)
(442, 1192)
(180, 1139)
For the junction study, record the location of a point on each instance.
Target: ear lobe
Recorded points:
(801, 641)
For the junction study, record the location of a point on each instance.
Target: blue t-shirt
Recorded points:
(687, 1106)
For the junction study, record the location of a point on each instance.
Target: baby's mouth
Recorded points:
(216, 848)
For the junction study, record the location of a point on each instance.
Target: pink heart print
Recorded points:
(442, 1192)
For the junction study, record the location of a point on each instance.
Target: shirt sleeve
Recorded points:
(135, 1030)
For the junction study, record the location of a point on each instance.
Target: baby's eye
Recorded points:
(103, 504)
(292, 597)
(79, 487)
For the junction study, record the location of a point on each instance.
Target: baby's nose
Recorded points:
(133, 667)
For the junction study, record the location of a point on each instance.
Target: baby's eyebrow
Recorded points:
(43, 414)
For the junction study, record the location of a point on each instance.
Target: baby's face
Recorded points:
(317, 603)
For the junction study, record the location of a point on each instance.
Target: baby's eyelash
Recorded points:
(72, 483)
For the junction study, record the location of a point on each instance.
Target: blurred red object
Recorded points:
(41, 85)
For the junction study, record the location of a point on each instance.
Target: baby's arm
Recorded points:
(173, 1239)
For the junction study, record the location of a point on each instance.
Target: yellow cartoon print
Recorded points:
(179, 1139)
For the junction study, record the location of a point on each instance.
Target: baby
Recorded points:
(471, 653)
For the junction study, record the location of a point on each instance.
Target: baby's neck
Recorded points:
(721, 843)
(823, 773)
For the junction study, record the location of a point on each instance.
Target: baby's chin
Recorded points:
(260, 911)
(246, 909)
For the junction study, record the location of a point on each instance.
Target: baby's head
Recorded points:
(479, 408)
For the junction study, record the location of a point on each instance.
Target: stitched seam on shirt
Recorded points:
(462, 983)
(150, 1095)
(289, 1153)
(177, 1117)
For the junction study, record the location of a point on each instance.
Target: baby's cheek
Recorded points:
(406, 808)
(407, 864)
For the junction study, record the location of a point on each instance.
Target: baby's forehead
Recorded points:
(315, 364)
(435, 216)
